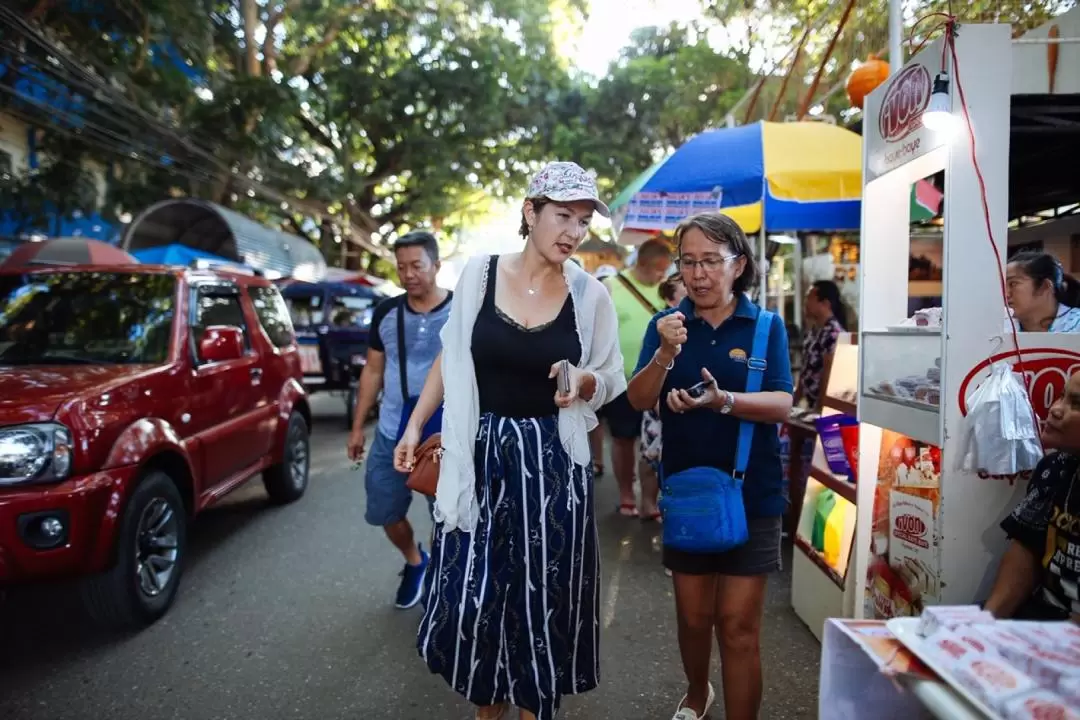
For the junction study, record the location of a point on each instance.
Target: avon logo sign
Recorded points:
(1046, 370)
(902, 109)
(911, 529)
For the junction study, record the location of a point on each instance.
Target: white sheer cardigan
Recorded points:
(456, 504)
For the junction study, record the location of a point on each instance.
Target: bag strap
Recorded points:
(403, 368)
(756, 366)
(652, 309)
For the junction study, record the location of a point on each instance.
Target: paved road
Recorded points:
(286, 613)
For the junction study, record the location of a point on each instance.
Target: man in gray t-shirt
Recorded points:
(419, 315)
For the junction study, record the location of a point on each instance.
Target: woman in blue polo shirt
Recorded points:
(708, 337)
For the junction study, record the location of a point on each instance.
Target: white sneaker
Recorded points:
(685, 713)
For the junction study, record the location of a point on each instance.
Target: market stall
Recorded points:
(926, 530)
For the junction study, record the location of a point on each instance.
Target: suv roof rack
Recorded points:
(206, 264)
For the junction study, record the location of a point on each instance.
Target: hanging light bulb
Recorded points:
(938, 114)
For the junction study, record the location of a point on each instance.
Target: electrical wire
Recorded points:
(949, 44)
(97, 86)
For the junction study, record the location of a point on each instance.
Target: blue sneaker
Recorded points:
(411, 589)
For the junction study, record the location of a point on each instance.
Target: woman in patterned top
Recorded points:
(1042, 296)
(1040, 571)
(825, 312)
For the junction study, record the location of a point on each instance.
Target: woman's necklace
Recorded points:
(532, 291)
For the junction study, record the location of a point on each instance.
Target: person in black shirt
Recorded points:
(1039, 573)
(512, 607)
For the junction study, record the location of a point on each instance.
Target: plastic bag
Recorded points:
(1001, 436)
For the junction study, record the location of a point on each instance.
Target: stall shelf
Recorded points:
(821, 586)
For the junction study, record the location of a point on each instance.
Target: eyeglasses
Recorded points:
(709, 265)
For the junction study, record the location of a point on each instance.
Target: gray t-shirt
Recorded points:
(422, 346)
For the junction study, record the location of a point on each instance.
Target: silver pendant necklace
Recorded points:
(532, 291)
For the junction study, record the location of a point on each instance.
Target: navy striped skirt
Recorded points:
(511, 611)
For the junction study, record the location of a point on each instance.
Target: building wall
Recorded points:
(16, 156)
(1060, 238)
(13, 142)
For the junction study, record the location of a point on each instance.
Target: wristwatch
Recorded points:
(729, 403)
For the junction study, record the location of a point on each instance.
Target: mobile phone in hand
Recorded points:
(564, 377)
(698, 390)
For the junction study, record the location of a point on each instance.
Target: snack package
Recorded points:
(1039, 705)
(997, 636)
(1047, 667)
(850, 436)
(1059, 636)
(992, 680)
(974, 641)
(948, 649)
(951, 616)
(1069, 688)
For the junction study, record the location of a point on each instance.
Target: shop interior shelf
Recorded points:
(845, 494)
(916, 420)
(845, 406)
(839, 485)
(816, 558)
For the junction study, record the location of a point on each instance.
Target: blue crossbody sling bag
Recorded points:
(703, 506)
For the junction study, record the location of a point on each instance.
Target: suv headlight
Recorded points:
(40, 452)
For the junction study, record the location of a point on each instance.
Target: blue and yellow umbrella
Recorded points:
(786, 176)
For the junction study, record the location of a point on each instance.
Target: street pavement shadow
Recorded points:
(46, 624)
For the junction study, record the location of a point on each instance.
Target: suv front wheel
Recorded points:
(286, 483)
(151, 546)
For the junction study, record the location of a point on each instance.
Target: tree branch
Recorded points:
(317, 133)
(145, 49)
(269, 49)
(303, 61)
(250, 14)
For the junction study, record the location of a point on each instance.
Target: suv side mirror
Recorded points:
(220, 343)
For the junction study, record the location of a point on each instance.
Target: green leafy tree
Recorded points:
(776, 27)
(667, 85)
(378, 115)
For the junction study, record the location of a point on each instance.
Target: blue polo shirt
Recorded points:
(706, 438)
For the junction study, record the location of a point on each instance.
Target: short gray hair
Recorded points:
(722, 230)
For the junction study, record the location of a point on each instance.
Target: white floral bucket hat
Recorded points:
(567, 182)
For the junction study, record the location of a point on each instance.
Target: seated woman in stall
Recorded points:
(1043, 297)
(1040, 571)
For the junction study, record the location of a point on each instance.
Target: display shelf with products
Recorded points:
(901, 381)
(821, 586)
(839, 485)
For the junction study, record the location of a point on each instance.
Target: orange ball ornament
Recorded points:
(865, 78)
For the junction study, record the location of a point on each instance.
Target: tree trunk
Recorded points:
(250, 11)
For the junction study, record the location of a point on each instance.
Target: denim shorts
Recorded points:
(759, 556)
(388, 499)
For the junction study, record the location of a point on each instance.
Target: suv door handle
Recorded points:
(256, 373)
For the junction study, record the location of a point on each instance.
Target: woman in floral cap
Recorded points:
(513, 588)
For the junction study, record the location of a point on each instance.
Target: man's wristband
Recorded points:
(656, 359)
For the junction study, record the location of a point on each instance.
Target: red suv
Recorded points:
(131, 398)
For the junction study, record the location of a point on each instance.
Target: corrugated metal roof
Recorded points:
(206, 226)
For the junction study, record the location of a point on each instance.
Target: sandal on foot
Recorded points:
(628, 510)
(685, 713)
